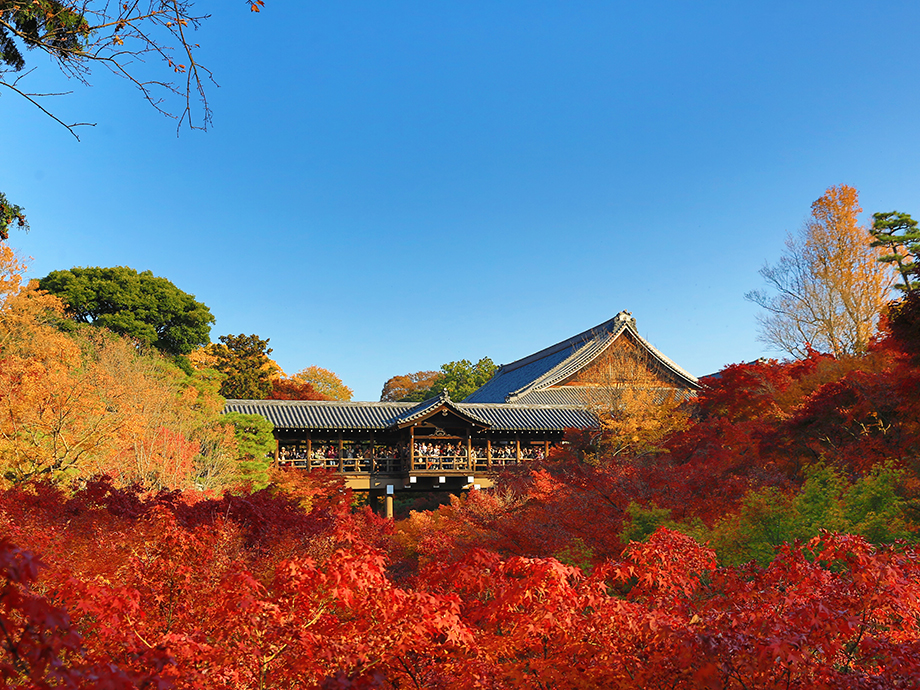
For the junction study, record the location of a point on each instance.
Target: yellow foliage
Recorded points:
(324, 382)
(81, 403)
(641, 420)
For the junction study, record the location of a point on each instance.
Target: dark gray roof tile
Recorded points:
(365, 416)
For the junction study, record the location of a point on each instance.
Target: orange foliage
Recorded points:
(408, 386)
(73, 405)
(324, 382)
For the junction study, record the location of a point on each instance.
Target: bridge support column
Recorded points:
(388, 502)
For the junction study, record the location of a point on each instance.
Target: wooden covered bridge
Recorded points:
(440, 444)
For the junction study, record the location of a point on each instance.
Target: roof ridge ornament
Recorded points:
(625, 316)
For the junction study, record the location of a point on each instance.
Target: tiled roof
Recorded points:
(564, 395)
(311, 414)
(509, 417)
(529, 380)
(367, 416)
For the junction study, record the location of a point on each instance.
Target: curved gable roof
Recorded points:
(556, 363)
(426, 409)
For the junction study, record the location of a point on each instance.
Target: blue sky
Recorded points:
(390, 186)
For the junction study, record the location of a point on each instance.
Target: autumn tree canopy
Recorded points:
(74, 404)
(324, 382)
(828, 288)
(409, 387)
(284, 388)
(142, 306)
(459, 378)
(243, 359)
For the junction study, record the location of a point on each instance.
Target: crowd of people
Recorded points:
(365, 457)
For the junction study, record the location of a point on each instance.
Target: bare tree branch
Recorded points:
(828, 288)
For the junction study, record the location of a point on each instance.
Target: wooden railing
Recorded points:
(392, 465)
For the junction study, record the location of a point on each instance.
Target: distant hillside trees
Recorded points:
(409, 387)
(459, 378)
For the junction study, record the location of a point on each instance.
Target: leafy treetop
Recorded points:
(324, 382)
(244, 360)
(10, 214)
(459, 378)
(463, 377)
(409, 387)
(897, 232)
(150, 309)
(293, 389)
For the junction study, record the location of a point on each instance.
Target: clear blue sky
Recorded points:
(390, 186)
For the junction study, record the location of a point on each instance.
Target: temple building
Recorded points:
(587, 369)
(518, 415)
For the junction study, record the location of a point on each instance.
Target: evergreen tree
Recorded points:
(255, 443)
(142, 306)
(898, 233)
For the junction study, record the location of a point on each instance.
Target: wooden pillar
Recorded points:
(489, 452)
(341, 459)
(373, 455)
(469, 452)
(411, 448)
(517, 447)
(545, 447)
(309, 452)
(277, 451)
(388, 511)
